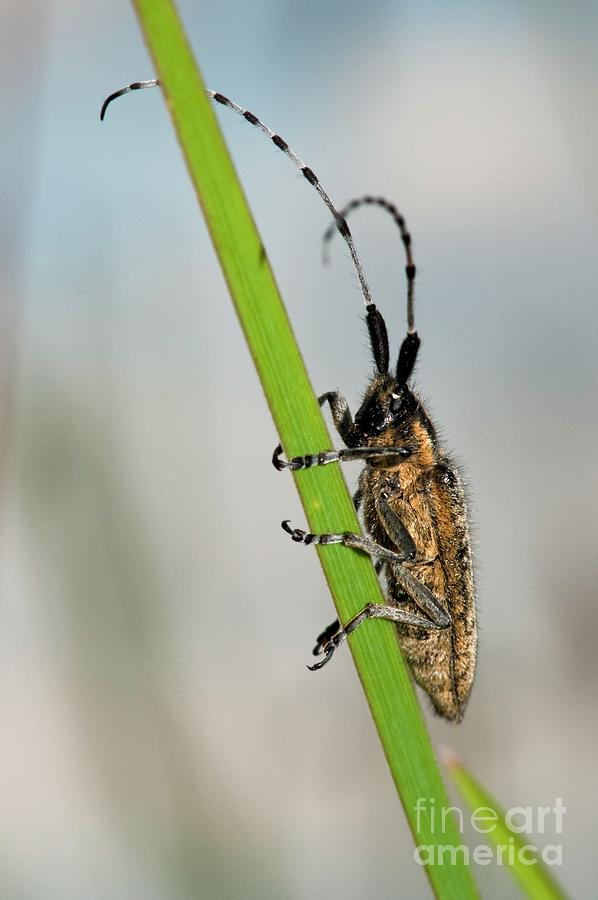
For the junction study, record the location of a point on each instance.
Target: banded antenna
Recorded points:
(375, 322)
(410, 268)
(410, 346)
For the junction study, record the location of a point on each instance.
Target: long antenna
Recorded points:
(340, 223)
(410, 269)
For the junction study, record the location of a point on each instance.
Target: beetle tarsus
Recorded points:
(328, 650)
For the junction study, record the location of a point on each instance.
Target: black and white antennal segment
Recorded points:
(375, 322)
(410, 268)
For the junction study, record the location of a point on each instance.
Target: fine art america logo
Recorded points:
(504, 849)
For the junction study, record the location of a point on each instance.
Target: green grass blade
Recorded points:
(327, 504)
(534, 878)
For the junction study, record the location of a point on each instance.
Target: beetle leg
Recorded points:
(434, 618)
(341, 414)
(326, 636)
(415, 590)
(331, 630)
(329, 456)
(349, 540)
(395, 529)
(371, 611)
(418, 592)
(343, 422)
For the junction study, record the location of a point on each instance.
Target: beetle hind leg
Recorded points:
(371, 611)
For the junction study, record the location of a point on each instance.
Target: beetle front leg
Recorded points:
(329, 456)
(341, 414)
(343, 422)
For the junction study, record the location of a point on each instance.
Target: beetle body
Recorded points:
(426, 493)
(412, 498)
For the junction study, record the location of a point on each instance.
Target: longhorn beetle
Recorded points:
(410, 491)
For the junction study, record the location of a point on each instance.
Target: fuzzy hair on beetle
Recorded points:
(410, 493)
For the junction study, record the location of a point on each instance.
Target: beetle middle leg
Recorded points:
(349, 539)
(434, 617)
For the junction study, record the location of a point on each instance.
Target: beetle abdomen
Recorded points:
(433, 510)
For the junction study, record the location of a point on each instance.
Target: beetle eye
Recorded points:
(395, 403)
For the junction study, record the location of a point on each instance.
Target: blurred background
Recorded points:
(161, 736)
